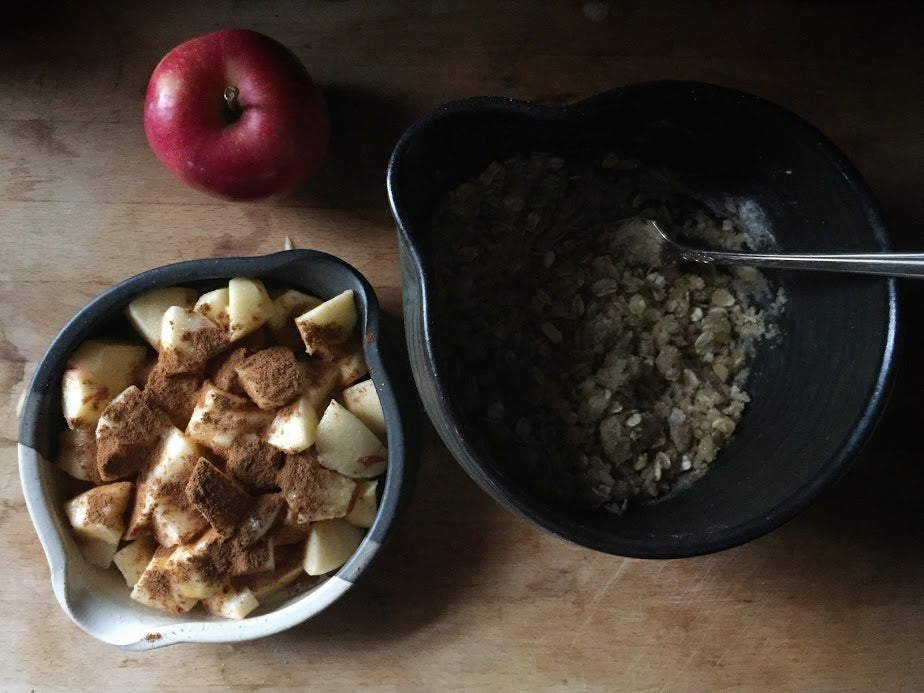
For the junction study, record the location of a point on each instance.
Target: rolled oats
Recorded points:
(597, 374)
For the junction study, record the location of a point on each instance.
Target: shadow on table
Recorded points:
(365, 128)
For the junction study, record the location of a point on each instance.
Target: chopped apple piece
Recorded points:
(317, 380)
(174, 393)
(260, 519)
(345, 444)
(256, 558)
(293, 429)
(220, 417)
(362, 401)
(286, 306)
(214, 306)
(127, 430)
(230, 602)
(330, 545)
(77, 454)
(224, 374)
(146, 311)
(351, 363)
(254, 462)
(290, 530)
(270, 377)
(249, 306)
(161, 505)
(83, 399)
(154, 587)
(194, 569)
(189, 339)
(221, 501)
(97, 372)
(96, 552)
(313, 492)
(99, 514)
(328, 324)
(133, 558)
(289, 566)
(365, 505)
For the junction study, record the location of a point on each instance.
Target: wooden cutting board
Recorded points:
(466, 595)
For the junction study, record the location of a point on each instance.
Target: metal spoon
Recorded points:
(654, 242)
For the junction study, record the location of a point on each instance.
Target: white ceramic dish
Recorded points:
(98, 600)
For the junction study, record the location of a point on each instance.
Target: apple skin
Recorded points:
(275, 139)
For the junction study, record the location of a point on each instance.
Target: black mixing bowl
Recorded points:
(816, 394)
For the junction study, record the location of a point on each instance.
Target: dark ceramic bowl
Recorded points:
(98, 601)
(815, 396)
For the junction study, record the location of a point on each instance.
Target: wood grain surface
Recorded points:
(466, 595)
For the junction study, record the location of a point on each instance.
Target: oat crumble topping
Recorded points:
(597, 374)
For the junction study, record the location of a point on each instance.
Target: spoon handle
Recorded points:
(910, 265)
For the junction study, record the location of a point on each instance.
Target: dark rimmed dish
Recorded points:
(98, 601)
(817, 392)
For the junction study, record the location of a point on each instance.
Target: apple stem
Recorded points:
(231, 94)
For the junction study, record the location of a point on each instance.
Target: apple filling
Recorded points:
(240, 461)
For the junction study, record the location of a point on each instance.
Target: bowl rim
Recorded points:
(37, 474)
(495, 484)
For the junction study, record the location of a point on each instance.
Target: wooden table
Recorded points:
(466, 595)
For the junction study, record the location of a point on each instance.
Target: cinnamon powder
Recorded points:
(174, 393)
(198, 348)
(254, 462)
(134, 427)
(223, 503)
(270, 377)
(224, 372)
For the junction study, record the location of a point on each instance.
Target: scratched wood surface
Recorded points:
(466, 594)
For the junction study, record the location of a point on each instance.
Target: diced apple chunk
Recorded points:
(146, 311)
(133, 558)
(330, 545)
(260, 519)
(365, 505)
(270, 377)
(254, 462)
(192, 568)
(96, 373)
(154, 587)
(313, 492)
(220, 500)
(214, 306)
(362, 401)
(127, 430)
(190, 338)
(345, 444)
(249, 306)
(169, 515)
(99, 514)
(286, 306)
(96, 552)
(232, 603)
(351, 363)
(328, 324)
(83, 399)
(221, 417)
(293, 429)
(256, 558)
(77, 454)
(289, 566)
(317, 380)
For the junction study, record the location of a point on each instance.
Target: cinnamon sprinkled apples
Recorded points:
(221, 469)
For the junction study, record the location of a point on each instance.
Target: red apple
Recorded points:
(235, 113)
